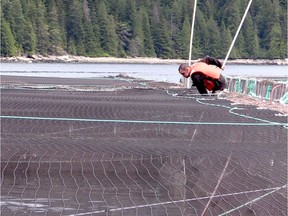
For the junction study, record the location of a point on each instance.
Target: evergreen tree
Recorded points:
(108, 36)
(264, 19)
(176, 25)
(136, 44)
(251, 44)
(41, 29)
(145, 28)
(155, 14)
(8, 47)
(276, 38)
(226, 42)
(177, 15)
(232, 16)
(71, 47)
(283, 17)
(30, 11)
(184, 45)
(75, 25)
(130, 13)
(166, 2)
(239, 46)
(201, 36)
(214, 43)
(6, 11)
(148, 42)
(118, 9)
(29, 39)
(277, 48)
(207, 8)
(54, 31)
(124, 34)
(96, 31)
(17, 22)
(162, 40)
(91, 44)
(61, 9)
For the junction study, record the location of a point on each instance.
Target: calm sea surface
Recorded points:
(159, 72)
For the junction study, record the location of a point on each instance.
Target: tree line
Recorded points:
(143, 28)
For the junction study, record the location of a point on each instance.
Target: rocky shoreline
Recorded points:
(137, 60)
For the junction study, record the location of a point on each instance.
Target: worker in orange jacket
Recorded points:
(205, 74)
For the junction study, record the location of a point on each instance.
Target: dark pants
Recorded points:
(198, 81)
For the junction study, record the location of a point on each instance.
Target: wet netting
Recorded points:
(134, 147)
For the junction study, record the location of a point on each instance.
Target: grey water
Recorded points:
(158, 72)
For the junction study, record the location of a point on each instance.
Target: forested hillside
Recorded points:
(150, 28)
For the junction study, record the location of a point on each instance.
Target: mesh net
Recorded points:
(136, 147)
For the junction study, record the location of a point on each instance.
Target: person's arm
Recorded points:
(198, 81)
(212, 61)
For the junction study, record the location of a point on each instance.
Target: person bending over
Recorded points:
(205, 74)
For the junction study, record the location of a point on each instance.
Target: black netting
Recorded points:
(145, 148)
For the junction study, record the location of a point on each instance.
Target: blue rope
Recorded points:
(145, 121)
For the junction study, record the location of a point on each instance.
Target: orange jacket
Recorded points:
(208, 70)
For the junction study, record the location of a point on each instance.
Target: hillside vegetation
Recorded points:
(143, 28)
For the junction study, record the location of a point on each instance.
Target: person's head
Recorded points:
(185, 70)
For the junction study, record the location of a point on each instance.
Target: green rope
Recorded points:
(251, 86)
(284, 99)
(237, 86)
(268, 93)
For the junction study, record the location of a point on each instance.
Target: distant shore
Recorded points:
(137, 60)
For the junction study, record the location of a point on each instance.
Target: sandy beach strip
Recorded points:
(129, 60)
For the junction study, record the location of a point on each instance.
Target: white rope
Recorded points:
(236, 35)
(218, 183)
(191, 42)
(192, 31)
(253, 201)
(187, 200)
